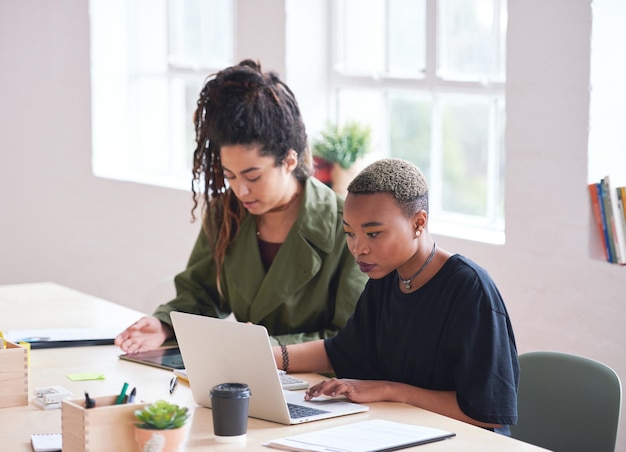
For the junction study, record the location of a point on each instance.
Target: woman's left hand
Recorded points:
(361, 391)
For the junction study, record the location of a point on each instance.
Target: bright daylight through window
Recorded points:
(427, 75)
(146, 76)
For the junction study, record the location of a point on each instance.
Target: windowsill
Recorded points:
(468, 232)
(163, 181)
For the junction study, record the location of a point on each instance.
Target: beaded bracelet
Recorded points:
(283, 349)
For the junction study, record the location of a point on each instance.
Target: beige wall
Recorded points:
(124, 241)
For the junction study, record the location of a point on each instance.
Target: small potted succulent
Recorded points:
(344, 147)
(161, 427)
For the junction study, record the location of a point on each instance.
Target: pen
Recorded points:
(120, 398)
(173, 384)
(131, 397)
(89, 402)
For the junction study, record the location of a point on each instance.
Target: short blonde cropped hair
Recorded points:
(400, 178)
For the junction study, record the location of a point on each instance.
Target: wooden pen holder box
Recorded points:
(13, 375)
(105, 427)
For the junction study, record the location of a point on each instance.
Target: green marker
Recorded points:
(120, 398)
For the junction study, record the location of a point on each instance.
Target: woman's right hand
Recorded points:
(147, 333)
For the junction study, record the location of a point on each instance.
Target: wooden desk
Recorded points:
(47, 305)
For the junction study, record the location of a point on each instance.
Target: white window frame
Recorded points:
(134, 138)
(305, 62)
(489, 228)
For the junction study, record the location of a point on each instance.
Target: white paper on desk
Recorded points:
(47, 442)
(365, 436)
(61, 334)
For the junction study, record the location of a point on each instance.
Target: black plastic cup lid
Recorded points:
(231, 391)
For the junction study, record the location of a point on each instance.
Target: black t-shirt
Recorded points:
(453, 334)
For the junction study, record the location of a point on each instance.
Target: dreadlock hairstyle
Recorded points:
(400, 178)
(241, 105)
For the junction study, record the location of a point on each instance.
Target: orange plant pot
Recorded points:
(160, 440)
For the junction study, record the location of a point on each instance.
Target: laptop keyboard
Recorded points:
(290, 382)
(298, 411)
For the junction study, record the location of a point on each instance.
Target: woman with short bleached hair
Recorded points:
(430, 328)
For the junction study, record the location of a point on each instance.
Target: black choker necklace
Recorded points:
(407, 282)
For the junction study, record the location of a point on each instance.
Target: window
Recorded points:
(146, 77)
(428, 77)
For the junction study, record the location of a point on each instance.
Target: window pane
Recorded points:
(219, 32)
(500, 173)
(465, 145)
(407, 37)
(471, 39)
(147, 36)
(364, 106)
(360, 36)
(184, 32)
(409, 128)
(184, 93)
(192, 93)
(148, 97)
(500, 40)
(201, 33)
(161, 115)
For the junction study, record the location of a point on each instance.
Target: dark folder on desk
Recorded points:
(63, 337)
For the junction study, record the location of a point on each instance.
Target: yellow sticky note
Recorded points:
(86, 376)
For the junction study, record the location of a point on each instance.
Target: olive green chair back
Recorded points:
(567, 403)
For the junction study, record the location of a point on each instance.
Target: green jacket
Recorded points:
(308, 293)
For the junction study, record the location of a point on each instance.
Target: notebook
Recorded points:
(47, 442)
(374, 435)
(219, 351)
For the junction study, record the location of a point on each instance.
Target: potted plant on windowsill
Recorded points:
(162, 427)
(344, 147)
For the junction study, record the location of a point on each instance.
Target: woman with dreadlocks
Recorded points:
(272, 249)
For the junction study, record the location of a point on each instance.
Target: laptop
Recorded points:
(221, 351)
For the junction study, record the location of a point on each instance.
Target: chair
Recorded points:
(567, 403)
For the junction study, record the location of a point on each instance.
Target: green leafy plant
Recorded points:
(162, 415)
(343, 145)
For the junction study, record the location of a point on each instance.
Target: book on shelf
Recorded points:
(616, 223)
(621, 204)
(609, 217)
(609, 210)
(598, 215)
(621, 208)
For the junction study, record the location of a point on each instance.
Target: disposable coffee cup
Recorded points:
(229, 402)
